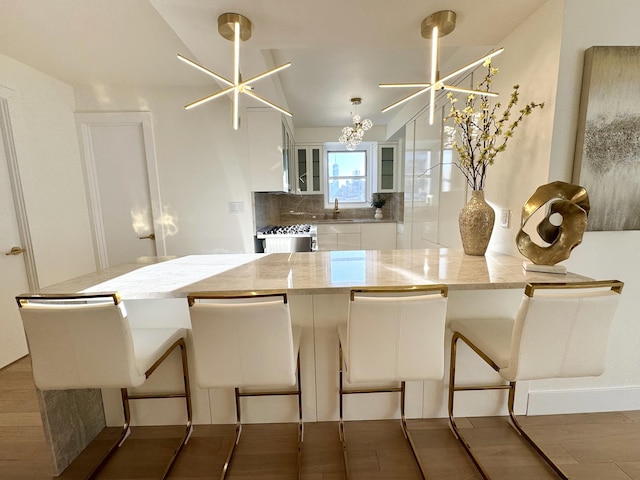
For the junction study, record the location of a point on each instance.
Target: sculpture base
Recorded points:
(532, 267)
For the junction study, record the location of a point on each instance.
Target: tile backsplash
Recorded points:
(287, 209)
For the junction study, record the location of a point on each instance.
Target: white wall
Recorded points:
(51, 171)
(602, 254)
(331, 134)
(545, 56)
(202, 164)
(531, 60)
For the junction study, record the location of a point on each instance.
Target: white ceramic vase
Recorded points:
(378, 214)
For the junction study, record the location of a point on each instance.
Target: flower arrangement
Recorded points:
(378, 201)
(482, 134)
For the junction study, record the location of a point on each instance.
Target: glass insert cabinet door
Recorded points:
(308, 163)
(387, 165)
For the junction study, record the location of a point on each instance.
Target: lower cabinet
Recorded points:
(356, 236)
(378, 236)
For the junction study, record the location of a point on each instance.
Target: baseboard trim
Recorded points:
(551, 402)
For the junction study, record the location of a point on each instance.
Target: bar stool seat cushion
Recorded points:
(492, 336)
(554, 335)
(149, 344)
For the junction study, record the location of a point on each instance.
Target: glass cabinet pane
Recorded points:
(315, 166)
(386, 168)
(303, 179)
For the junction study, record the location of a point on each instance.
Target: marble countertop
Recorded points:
(309, 272)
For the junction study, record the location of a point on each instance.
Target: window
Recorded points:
(349, 175)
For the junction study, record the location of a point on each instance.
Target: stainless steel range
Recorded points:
(288, 238)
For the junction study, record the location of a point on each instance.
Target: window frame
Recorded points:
(370, 149)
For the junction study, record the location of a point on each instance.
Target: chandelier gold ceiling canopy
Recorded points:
(236, 28)
(433, 27)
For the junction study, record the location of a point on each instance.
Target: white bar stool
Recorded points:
(85, 341)
(392, 334)
(245, 339)
(560, 330)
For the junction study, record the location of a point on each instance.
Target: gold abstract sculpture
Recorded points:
(569, 201)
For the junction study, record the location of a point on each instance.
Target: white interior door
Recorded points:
(13, 273)
(120, 163)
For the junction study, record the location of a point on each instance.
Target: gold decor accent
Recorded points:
(237, 28)
(444, 20)
(433, 27)
(227, 26)
(564, 200)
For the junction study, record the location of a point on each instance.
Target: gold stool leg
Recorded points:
(126, 431)
(227, 463)
(343, 439)
(515, 424)
(452, 421)
(187, 397)
(405, 431)
(513, 420)
(403, 420)
(300, 422)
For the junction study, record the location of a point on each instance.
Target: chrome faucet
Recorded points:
(336, 211)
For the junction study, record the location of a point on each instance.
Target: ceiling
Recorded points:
(338, 48)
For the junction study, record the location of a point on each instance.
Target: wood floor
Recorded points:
(602, 446)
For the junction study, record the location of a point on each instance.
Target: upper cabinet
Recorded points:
(271, 151)
(309, 169)
(387, 167)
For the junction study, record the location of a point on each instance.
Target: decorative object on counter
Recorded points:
(235, 27)
(352, 135)
(378, 201)
(561, 228)
(434, 26)
(476, 221)
(478, 136)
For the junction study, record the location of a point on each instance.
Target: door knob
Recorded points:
(15, 251)
(151, 236)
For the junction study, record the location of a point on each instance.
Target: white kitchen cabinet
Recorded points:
(309, 169)
(356, 236)
(271, 149)
(338, 236)
(378, 236)
(387, 167)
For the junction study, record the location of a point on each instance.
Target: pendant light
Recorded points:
(237, 28)
(433, 27)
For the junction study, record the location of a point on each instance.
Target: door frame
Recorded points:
(84, 122)
(7, 96)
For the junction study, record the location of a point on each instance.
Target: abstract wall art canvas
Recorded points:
(607, 162)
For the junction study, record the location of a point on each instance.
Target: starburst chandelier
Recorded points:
(235, 27)
(352, 134)
(433, 27)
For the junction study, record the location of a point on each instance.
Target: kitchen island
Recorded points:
(318, 285)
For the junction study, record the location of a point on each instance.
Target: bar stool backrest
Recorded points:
(395, 336)
(562, 331)
(79, 342)
(242, 341)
